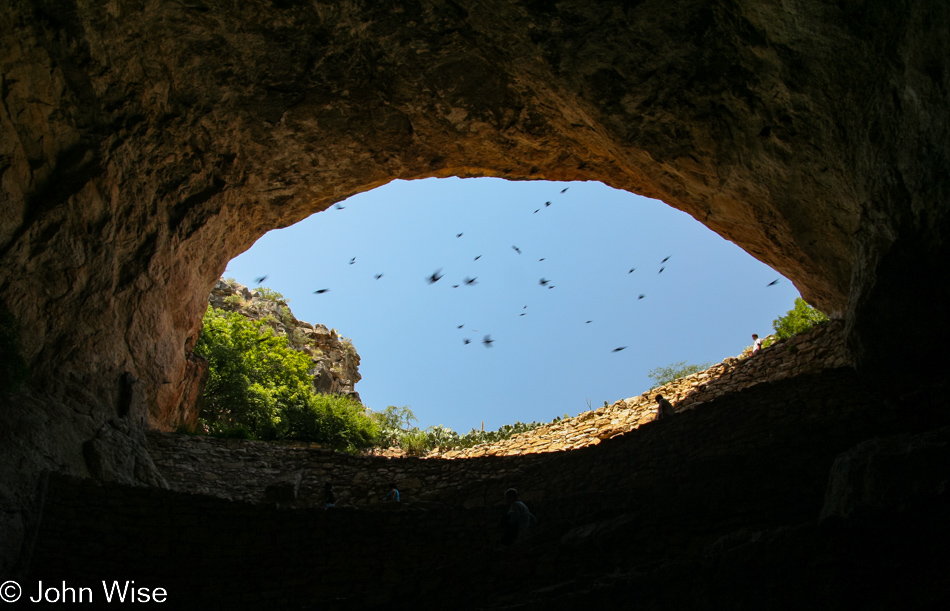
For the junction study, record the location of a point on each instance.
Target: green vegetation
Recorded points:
(286, 316)
(260, 388)
(674, 371)
(797, 320)
(397, 431)
(393, 424)
(266, 293)
(235, 300)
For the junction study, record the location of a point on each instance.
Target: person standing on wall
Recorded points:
(756, 343)
(664, 408)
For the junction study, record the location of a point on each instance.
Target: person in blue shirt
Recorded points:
(329, 497)
(518, 520)
(393, 494)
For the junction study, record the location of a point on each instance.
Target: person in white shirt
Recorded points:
(756, 343)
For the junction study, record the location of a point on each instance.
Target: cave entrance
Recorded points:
(545, 258)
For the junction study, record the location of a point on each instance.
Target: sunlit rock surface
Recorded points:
(144, 144)
(335, 368)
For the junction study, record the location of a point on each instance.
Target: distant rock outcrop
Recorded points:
(335, 361)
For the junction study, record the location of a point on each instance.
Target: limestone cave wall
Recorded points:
(143, 144)
(766, 498)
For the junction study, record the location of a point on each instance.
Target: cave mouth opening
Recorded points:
(550, 273)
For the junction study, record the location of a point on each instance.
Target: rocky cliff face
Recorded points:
(335, 360)
(144, 144)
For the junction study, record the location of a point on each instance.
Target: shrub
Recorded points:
(259, 387)
(477, 437)
(286, 316)
(393, 424)
(799, 319)
(235, 300)
(266, 293)
(397, 431)
(415, 442)
(299, 337)
(662, 376)
(439, 436)
(335, 420)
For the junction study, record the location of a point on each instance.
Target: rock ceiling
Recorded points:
(144, 144)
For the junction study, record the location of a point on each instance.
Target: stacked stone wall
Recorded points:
(246, 470)
(820, 348)
(206, 552)
(715, 478)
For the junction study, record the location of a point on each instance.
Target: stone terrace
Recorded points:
(688, 512)
(821, 348)
(256, 472)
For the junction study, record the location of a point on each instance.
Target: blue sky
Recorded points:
(545, 359)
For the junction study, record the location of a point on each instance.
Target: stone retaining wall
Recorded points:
(263, 472)
(244, 470)
(691, 504)
(820, 348)
(260, 472)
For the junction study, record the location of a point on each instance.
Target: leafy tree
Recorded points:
(260, 388)
(674, 371)
(393, 423)
(336, 420)
(797, 320)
